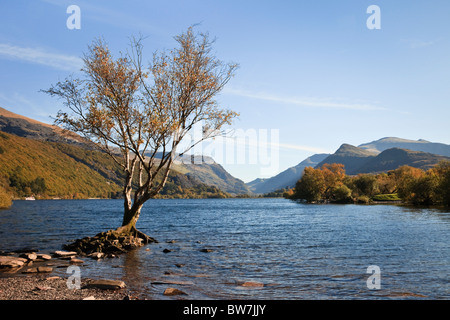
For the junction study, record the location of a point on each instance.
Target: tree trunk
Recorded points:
(130, 217)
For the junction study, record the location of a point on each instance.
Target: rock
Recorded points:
(65, 253)
(44, 256)
(75, 260)
(167, 250)
(9, 263)
(29, 255)
(206, 250)
(173, 292)
(253, 284)
(96, 255)
(107, 284)
(171, 241)
(179, 265)
(44, 269)
(89, 298)
(38, 270)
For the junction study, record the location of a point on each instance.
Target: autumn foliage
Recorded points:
(408, 184)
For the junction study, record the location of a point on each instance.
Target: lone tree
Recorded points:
(139, 114)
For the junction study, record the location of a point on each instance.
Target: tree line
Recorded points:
(407, 184)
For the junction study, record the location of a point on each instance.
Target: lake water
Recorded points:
(297, 251)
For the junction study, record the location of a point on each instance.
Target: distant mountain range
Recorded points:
(193, 174)
(285, 179)
(376, 156)
(419, 145)
(197, 173)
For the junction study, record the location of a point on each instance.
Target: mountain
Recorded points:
(286, 179)
(29, 128)
(393, 158)
(209, 172)
(350, 156)
(213, 174)
(376, 156)
(419, 145)
(65, 149)
(358, 160)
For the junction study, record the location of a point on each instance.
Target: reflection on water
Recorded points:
(294, 251)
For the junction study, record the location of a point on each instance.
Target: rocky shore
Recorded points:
(28, 276)
(39, 287)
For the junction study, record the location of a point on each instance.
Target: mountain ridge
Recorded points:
(285, 179)
(365, 158)
(414, 145)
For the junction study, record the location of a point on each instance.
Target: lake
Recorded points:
(297, 251)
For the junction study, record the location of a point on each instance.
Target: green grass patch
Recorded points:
(386, 197)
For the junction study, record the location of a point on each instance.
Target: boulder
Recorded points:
(173, 292)
(29, 256)
(30, 270)
(106, 284)
(44, 269)
(96, 255)
(65, 253)
(44, 256)
(74, 260)
(10, 263)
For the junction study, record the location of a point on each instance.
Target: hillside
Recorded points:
(394, 158)
(285, 179)
(29, 128)
(419, 145)
(56, 170)
(39, 168)
(87, 170)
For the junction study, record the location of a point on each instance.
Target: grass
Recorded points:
(386, 197)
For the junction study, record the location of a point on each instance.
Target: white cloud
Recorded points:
(304, 102)
(40, 56)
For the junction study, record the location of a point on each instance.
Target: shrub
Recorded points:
(342, 194)
(5, 199)
(363, 200)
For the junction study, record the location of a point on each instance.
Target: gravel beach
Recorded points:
(39, 287)
(30, 276)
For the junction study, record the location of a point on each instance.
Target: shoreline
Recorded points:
(46, 287)
(31, 276)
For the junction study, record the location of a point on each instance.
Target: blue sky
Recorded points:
(311, 70)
